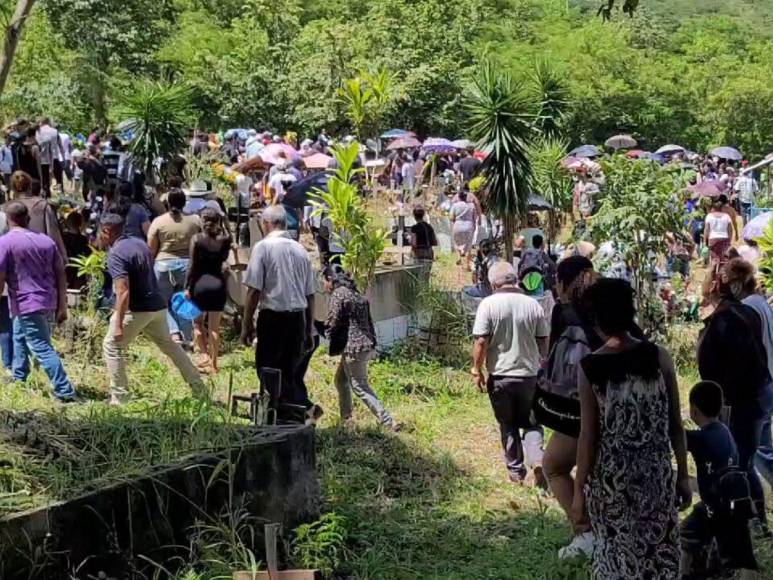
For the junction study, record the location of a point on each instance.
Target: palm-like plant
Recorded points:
(550, 179)
(356, 95)
(159, 115)
(501, 118)
(552, 96)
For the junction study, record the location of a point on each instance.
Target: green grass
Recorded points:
(430, 502)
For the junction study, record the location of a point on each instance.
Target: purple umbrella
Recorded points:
(438, 145)
(709, 188)
(727, 153)
(755, 229)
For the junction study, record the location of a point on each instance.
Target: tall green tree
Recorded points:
(111, 36)
(13, 21)
(501, 119)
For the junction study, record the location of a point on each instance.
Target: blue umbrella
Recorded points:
(392, 133)
(728, 153)
(585, 151)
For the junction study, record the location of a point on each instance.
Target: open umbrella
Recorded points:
(297, 195)
(538, 203)
(637, 154)
(274, 152)
(585, 151)
(728, 153)
(670, 150)
(395, 133)
(251, 164)
(620, 142)
(404, 143)
(755, 229)
(709, 188)
(438, 145)
(462, 143)
(317, 161)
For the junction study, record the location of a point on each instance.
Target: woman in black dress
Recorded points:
(206, 284)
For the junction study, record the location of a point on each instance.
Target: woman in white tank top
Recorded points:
(717, 234)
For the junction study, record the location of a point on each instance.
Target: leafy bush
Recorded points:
(321, 545)
(353, 228)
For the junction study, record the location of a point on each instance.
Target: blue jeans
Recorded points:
(6, 334)
(170, 275)
(763, 459)
(31, 333)
(746, 211)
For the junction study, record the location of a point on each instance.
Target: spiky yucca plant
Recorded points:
(159, 115)
(552, 96)
(501, 118)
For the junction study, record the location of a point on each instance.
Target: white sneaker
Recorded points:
(581, 545)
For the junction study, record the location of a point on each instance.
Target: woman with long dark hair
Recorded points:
(557, 402)
(352, 335)
(206, 284)
(631, 425)
(169, 238)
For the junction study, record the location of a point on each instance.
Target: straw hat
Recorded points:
(198, 188)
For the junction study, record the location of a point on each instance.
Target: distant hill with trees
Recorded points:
(694, 72)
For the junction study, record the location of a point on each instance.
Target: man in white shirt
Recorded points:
(511, 338)
(50, 148)
(746, 187)
(280, 283)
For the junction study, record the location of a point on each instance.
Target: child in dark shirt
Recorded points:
(721, 519)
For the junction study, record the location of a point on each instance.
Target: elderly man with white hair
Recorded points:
(281, 284)
(511, 338)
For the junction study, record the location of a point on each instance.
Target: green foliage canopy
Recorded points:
(693, 72)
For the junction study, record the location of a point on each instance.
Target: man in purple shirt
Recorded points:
(33, 269)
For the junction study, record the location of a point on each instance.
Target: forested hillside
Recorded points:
(695, 72)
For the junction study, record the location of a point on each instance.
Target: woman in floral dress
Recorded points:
(630, 424)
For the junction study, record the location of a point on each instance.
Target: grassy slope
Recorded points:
(431, 502)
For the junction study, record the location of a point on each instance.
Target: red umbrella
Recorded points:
(635, 153)
(274, 152)
(317, 161)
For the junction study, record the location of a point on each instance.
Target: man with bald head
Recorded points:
(511, 339)
(280, 285)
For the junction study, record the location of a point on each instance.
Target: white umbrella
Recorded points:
(621, 142)
(670, 149)
(462, 143)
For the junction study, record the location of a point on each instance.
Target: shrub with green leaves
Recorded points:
(321, 545)
(363, 244)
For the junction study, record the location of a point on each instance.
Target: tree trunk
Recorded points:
(509, 228)
(12, 35)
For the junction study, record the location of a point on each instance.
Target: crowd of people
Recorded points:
(610, 398)
(556, 340)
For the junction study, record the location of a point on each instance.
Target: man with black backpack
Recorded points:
(537, 258)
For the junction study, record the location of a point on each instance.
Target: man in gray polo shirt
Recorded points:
(280, 282)
(511, 338)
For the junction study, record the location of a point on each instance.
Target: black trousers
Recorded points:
(59, 173)
(45, 179)
(746, 428)
(281, 346)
